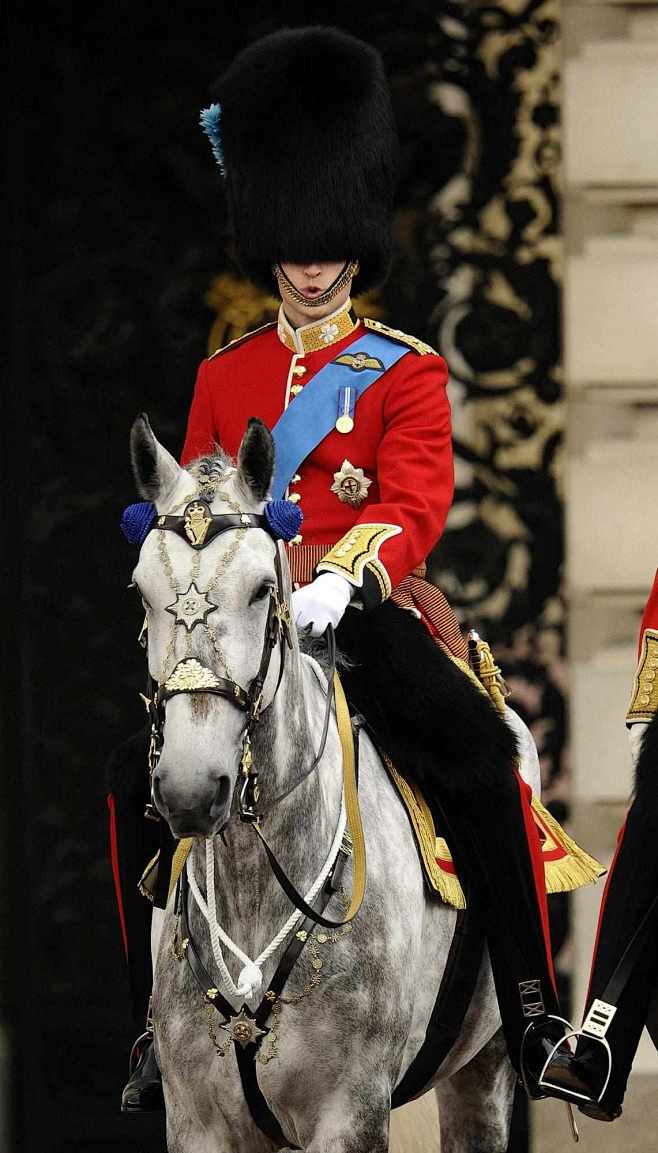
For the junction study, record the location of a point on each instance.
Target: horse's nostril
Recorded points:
(222, 796)
(157, 794)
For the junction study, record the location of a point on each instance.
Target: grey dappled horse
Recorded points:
(344, 1041)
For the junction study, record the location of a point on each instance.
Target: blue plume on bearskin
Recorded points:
(211, 123)
(284, 518)
(136, 521)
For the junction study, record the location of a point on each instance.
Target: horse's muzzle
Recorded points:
(193, 812)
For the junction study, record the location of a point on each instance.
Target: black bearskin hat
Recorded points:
(309, 152)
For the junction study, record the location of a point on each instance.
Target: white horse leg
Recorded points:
(157, 921)
(475, 1104)
(189, 1135)
(355, 1119)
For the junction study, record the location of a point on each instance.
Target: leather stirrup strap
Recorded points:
(623, 971)
(350, 791)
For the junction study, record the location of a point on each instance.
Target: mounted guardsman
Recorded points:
(305, 140)
(622, 992)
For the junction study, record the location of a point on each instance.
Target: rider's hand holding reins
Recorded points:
(321, 603)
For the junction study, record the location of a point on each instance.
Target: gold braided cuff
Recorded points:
(356, 558)
(644, 699)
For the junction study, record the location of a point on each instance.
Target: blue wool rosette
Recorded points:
(136, 521)
(284, 518)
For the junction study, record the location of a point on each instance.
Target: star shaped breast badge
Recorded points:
(351, 484)
(243, 1029)
(191, 608)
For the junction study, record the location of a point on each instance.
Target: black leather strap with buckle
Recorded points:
(212, 524)
(260, 1111)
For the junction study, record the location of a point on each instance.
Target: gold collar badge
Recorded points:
(351, 484)
(319, 334)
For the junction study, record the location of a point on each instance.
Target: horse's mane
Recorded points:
(209, 470)
(316, 647)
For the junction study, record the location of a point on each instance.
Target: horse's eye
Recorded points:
(261, 592)
(133, 585)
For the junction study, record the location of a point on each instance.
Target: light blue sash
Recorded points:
(312, 414)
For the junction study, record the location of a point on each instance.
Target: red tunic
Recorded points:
(401, 439)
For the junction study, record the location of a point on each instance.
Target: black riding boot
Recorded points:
(143, 1091)
(630, 891)
(442, 732)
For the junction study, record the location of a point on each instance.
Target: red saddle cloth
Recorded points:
(566, 865)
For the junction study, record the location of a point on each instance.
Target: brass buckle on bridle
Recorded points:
(155, 747)
(250, 791)
(283, 618)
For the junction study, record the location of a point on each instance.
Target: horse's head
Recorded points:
(214, 583)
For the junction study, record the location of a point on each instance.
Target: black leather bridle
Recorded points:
(184, 679)
(190, 677)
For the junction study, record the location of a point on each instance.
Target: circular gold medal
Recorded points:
(344, 424)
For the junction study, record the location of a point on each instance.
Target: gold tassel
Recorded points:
(574, 870)
(487, 670)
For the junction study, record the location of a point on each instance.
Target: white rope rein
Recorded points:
(250, 980)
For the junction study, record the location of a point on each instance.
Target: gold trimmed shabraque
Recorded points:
(566, 865)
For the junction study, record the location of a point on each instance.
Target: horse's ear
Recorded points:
(155, 470)
(256, 459)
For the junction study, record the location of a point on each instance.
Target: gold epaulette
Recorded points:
(418, 346)
(644, 699)
(241, 339)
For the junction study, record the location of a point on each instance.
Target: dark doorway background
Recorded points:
(116, 230)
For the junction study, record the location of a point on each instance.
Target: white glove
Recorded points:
(321, 603)
(635, 734)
